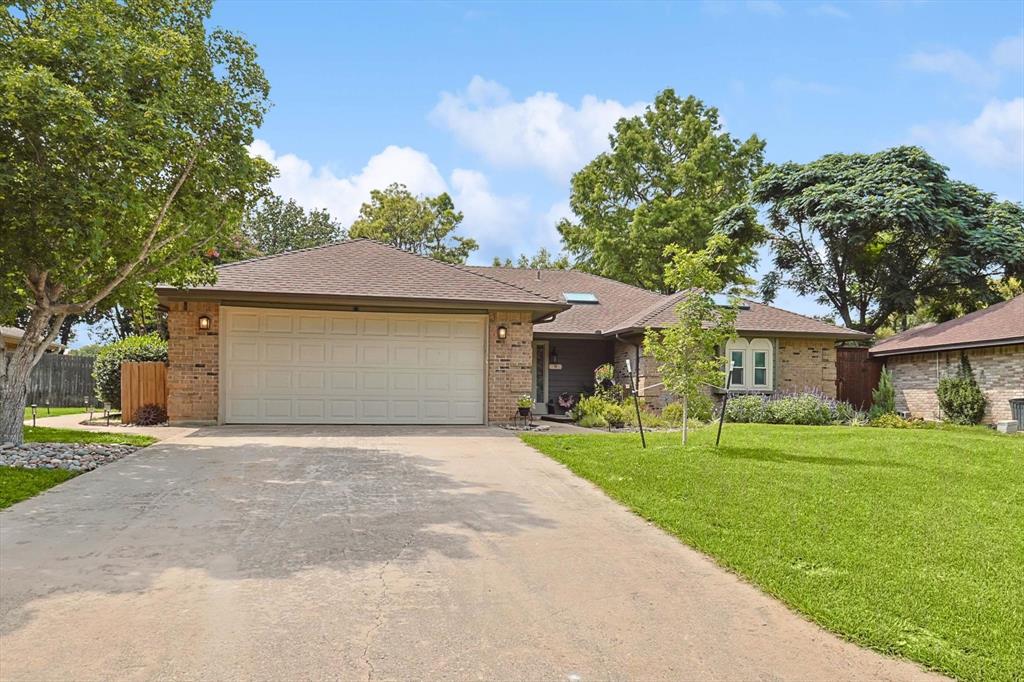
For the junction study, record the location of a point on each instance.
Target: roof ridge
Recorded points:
(582, 272)
(460, 268)
(254, 259)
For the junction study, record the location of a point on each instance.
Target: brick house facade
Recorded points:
(999, 371)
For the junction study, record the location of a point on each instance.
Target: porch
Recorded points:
(565, 365)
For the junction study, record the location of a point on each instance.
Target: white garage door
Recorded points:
(309, 367)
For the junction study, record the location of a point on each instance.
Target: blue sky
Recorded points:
(499, 103)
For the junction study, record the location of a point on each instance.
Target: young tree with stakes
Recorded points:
(688, 352)
(124, 130)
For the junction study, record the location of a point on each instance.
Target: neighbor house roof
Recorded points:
(14, 334)
(362, 270)
(614, 299)
(623, 308)
(997, 325)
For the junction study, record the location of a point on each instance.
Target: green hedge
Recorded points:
(106, 371)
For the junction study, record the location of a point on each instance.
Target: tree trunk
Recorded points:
(686, 416)
(15, 367)
(13, 392)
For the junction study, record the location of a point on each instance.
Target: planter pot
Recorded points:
(524, 411)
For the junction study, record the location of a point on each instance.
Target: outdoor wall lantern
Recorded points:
(204, 322)
(502, 331)
(554, 356)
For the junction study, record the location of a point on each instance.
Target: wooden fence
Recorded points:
(63, 380)
(856, 376)
(142, 383)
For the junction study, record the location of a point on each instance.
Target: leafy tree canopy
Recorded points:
(876, 235)
(274, 226)
(672, 176)
(542, 259)
(422, 225)
(124, 129)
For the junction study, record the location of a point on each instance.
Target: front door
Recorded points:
(540, 377)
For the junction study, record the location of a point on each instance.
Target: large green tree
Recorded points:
(274, 226)
(875, 236)
(422, 225)
(672, 176)
(124, 129)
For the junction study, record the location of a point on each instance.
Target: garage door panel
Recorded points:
(278, 323)
(373, 354)
(351, 367)
(277, 353)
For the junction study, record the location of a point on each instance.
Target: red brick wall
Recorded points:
(509, 363)
(193, 363)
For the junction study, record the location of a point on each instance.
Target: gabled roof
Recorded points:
(623, 308)
(614, 299)
(996, 325)
(752, 318)
(363, 269)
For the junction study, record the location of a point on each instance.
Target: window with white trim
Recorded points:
(751, 364)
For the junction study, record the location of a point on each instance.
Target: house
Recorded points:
(10, 337)
(992, 339)
(361, 332)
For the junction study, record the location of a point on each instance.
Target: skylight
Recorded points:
(579, 297)
(722, 301)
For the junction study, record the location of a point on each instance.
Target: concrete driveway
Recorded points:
(307, 553)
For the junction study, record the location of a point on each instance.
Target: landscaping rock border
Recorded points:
(69, 456)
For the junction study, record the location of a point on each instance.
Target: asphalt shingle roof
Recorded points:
(997, 324)
(363, 268)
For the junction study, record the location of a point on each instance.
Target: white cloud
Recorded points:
(495, 221)
(503, 225)
(540, 131)
(995, 138)
(1006, 55)
(342, 196)
(956, 64)
(829, 10)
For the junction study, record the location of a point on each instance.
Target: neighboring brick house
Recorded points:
(361, 332)
(992, 339)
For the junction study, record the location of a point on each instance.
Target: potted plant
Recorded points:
(566, 401)
(524, 403)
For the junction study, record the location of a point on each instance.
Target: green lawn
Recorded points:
(54, 411)
(910, 542)
(20, 484)
(43, 434)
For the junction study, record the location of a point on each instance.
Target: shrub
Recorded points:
(883, 398)
(592, 421)
(614, 414)
(807, 409)
(589, 406)
(106, 371)
(747, 409)
(891, 420)
(673, 413)
(150, 414)
(960, 398)
(652, 420)
(700, 409)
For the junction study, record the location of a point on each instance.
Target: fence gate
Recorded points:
(142, 383)
(856, 376)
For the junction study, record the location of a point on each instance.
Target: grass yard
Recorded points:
(54, 411)
(44, 434)
(910, 542)
(18, 484)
